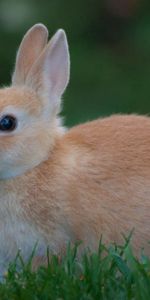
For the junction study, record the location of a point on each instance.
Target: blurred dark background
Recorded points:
(109, 45)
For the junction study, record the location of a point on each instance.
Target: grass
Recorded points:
(110, 273)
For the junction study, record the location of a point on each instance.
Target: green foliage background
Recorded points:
(110, 53)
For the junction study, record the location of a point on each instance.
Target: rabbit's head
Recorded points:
(29, 107)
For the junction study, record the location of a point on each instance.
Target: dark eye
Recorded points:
(8, 123)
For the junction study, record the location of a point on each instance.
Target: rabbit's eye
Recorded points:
(8, 123)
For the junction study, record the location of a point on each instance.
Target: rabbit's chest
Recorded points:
(15, 235)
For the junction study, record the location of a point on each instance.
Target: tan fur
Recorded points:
(91, 180)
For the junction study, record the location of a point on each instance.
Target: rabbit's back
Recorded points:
(107, 168)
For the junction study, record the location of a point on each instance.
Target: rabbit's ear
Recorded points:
(30, 49)
(49, 75)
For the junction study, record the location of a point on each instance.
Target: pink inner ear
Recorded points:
(57, 63)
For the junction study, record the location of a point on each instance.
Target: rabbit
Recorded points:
(59, 185)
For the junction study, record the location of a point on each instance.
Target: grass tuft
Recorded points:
(109, 273)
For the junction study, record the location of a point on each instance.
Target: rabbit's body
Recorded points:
(95, 181)
(58, 186)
